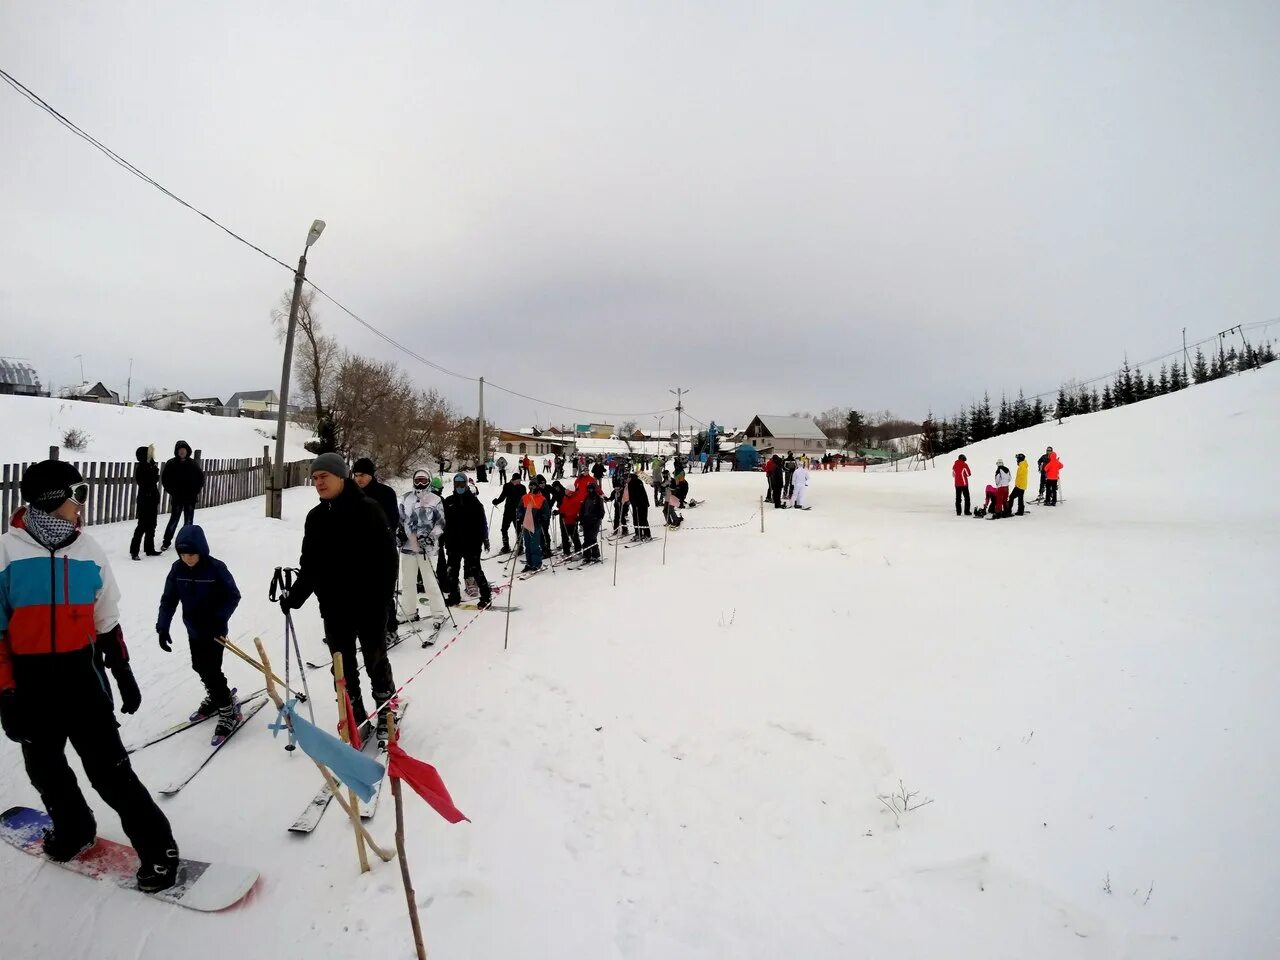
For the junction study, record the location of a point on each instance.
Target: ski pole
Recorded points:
(297, 652)
(448, 609)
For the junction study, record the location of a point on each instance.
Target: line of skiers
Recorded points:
(1007, 489)
(787, 480)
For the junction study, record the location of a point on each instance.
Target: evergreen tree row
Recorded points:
(981, 421)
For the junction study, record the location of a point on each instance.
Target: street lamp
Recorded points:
(679, 394)
(275, 491)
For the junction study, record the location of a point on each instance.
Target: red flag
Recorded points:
(425, 781)
(348, 711)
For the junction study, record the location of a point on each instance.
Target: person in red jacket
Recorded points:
(570, 508)
(1052, 470)
(960, 472)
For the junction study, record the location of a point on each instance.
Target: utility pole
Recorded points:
(480, 427)
(80, 357)
(128, 387)
(275, 490)
(679, 392)
(1186, 357)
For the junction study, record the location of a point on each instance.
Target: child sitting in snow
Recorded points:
(207, 591)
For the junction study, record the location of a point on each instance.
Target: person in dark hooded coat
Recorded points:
(183, 480)
(638, 500)
(146, 477)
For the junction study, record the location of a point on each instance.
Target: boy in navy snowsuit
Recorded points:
(207, 591)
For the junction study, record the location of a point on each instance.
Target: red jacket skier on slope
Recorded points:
(960, 472)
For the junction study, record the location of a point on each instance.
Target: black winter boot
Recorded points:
(160, 874)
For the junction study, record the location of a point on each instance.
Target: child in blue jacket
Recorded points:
(207, 591)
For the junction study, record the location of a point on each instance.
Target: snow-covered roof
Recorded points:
(18, 373)
(798, 427)
(252, 395)
(591, 447)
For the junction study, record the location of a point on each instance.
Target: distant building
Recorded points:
(768, 433)
(19, 378)
(173, 400)
(98, 393)
(255, 402)
(514, 442)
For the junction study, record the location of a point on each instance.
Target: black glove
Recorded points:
(495, 503)
(12, 717)
(130, 695)
(166, 641)
(486, 546)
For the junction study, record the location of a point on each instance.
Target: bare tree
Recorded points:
(317, 356)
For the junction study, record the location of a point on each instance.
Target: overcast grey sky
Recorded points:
(783, 206)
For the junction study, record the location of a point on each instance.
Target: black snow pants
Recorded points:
(1016, 494)
(368, 626)
(641, 517)
(85, 716)
(206, 661)
(509, 520)
(1051, 493)
(569, 539)
(187, 511)
(467, 563)
(144, 532)
(590, 537)
(962, 493)
(775, 493)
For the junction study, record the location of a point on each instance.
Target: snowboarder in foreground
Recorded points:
(59, 629)
(146, 477)
(466, 533)
(207, 591)
(960, 472)
(422, 526)
(183, 480)
(349, 563)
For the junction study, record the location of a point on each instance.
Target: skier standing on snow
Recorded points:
(788, 473)
(1019, 491)
(570, 511)
(1052, 471)
(592, 517)
(544, 513)
(183, 480)
(512, 493)
(364, 473)
(655, 478)
(638, 498)
(960, 472)
(208, 594)
(799, 486)
(59, 629)
(1001, 483)
(348, 561)
(422, 527)
(502, 470)
(466, 533)
(1040, 465)
(775, 481)
(146, 477)
(531, 505)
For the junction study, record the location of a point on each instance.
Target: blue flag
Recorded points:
(349, 765)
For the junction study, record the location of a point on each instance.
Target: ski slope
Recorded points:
(687, 765)
(31, 425)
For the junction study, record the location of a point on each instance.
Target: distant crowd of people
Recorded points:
(1007, 489)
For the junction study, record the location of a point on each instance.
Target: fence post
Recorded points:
(53, 453)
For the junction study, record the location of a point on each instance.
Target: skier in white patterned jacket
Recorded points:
(422, 521)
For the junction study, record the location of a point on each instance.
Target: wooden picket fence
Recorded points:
(113, 498)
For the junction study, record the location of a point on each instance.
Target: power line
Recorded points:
(126, 165)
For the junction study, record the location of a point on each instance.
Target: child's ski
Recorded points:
(476, 606)
(430, 639)
(247, 712)
(638, 543)
(177, 728)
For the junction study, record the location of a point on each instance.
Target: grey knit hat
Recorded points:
(330, 463)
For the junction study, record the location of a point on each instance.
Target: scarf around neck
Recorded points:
(47, 529)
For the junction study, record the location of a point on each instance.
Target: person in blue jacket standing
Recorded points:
(208, 594)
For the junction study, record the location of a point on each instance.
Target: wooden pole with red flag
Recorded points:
(409, 895)
(353, 811)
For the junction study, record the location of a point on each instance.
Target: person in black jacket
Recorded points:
(183, 480)
(349, 563)
(638, 498)
(208, 594)
(592, 516)
(513, 492)
(365, 473)
(775, 481)
(146, 477)
(466, 532)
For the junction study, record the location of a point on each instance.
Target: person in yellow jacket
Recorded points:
(1019, 491)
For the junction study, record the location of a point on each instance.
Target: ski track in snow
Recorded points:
(688, 765)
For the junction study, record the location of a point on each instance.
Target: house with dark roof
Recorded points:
(19, 378)
(772, 434)
(98, 393)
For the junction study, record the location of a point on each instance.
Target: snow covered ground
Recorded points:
(33, 424)
(687, 765)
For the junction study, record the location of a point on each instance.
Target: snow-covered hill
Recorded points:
(30, 425)
(688, 765)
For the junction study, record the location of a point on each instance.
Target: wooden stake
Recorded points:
(334, 787)
(617, 546)
(511, 587)
(343, 728)
(407, 880)
(666, 528)
(762, 514)
(256, 665)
